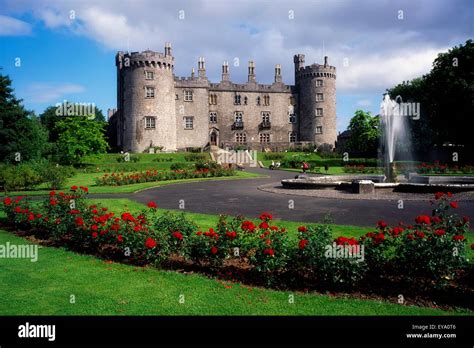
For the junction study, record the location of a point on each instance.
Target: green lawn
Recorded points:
(87, 179)
(101, 288)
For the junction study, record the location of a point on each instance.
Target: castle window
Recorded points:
(213, 117)
(213, 99)
(150, 122)
(149, 75)
(245, 100)
(240, 138)
(291, 117)
(319, 111)
(189, 122)
(150, 92)
(292, 137)
(292, 101)
(258, 101)
(176, 97)
(319, 130)
(266, 100)
(265, 117)
(238, 117)
(188, 95)
(319, 97)
(237, 99)
(264, 138)
(319, 83)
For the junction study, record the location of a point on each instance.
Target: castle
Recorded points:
(157, 109)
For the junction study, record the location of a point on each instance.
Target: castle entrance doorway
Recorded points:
(213, 137)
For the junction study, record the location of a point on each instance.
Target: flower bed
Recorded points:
(439, 168)
(118, 179)
(431, 252)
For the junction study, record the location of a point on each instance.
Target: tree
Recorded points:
(79, 137)
(22, 137)
(445, 95)
(364, 134)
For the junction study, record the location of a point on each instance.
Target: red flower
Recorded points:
(137, 228)
(436, 219)
(74, 188)
(152, 205)
(465, 219)
(379, 238)
(302, 229)
(79, 221)
(198, 233)
(269, 252)
(454, 205)
(381, 224)
(438, 195)
(83, 188)
(231, 235)
(449, 194)
(274, 228)
(302, 244)
(458, 237)
(248, 226)
(52, 193)
(440, 232)
(7, 201)
(472, 246)
(266, 216)
(341, 240)
(370, 234)
(115, 227)
(119, 238)
(150, 243)
(31, 217)
(410, 236)
(423, 219)
(268, 242)
(53, 202)
(17, 209)
(263, 225)
(397, 230)
(94, 235)
(178, 235)
(352, 241)
(214, 250)
(420, 234)
(94, 228)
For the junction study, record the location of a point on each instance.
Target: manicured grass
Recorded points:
(45, 287)
(87, 179)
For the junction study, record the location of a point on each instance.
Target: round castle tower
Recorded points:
(146, 99)
(316, 87)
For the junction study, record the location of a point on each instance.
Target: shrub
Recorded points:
(23, 176)
(178, 166)
(193, 157)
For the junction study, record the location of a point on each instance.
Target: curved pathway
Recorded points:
(243, 197)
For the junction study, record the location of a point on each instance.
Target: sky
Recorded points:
(64, 50)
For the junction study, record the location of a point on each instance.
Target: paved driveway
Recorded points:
(243, 197)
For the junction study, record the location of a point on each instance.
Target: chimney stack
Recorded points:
(225, 71)
(251, 71)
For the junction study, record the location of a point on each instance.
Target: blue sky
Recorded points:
(73, 58)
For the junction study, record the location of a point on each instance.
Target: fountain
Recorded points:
(395, 131)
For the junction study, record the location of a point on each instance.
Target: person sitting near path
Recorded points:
(277, 165)
(305, 166)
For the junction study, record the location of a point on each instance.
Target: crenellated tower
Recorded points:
(316, 87)
(146, 100)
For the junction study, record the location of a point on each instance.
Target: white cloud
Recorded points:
(39, 92)
(10, 26)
